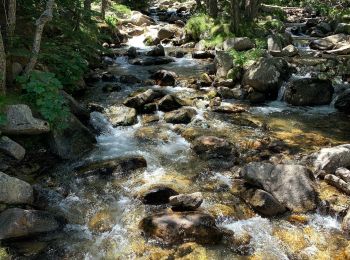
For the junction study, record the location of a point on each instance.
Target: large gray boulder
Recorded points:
(139, 19)
(17, 223)
(20, 121)
(180, 116)
(342, 102)
(330, 159)
(14, 191)
(223, 63)
(73, 141)
(266, 75)
(11, 148)
(238, 44)
(291, 185)
(177, 228)
(309, 92)
(211, 147)
(139, 100)
(121, 115)
(329, 42)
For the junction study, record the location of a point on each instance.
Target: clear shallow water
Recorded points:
(113, 201)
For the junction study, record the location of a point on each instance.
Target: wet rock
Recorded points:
(309, 92)
(256, 97)
(46, 199)
(324, 27)
(176, 228)
(238, 243)
(73, 141)
(169, 103)
(183, 202)
(289, 51)
(150, 40)
(239, 44)
(210, 147)
(76, 108)
(109, 78)
(177, 54)
(341, 49)
(136, 31)
(149, 108)
(167, 32)
(338, 183)
(132, 52)
(165, 78)
(223, 63)
(291, 185)
(158, 196)
(180, 116)
(110, 87)
(148, 133)
(343, 28)
(148, 61)
(330, 159)
(264, 203)
(102, 221)
(228, 108)
(139, 19)
(20, 121)
(346, 222)
(116, 165)
(203, 55)
(14, 191)
(121, 115)
(342, 102)
(157, 51)
(266, 75)
(11, 148)
(329, 42)
(139, 100)
(17, 223)
(129, 79)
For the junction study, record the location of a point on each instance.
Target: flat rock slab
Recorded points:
(20, 121)
(12, 148)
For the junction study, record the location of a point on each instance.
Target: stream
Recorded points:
(113, 200)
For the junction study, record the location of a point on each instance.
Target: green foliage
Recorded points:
(42, 90)
(199, 25)
(121, 10)
(243, 57)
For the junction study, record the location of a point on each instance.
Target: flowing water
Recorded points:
(113, 200)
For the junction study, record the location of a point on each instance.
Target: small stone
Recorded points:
(186, 201)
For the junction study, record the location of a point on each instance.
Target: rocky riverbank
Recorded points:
(177, 152)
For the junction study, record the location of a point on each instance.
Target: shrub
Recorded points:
(199, 25)
(42, 90)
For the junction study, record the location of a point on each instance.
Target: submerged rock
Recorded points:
(14, 191)
(20, 121)
(11, 148)
(180, 116)
(203, 55)
(309, 92)
(129, 79)
(16, 223)
(121, 115)
(211, 147)
(157, 51)
(176, 228)
(183, 202)
(291, 185)
(148, 61)
(116, 165)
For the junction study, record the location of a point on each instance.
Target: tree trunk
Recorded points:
(213, 8)
(235, 15)
(251, 9)
(103, 8)
(11, 20)
(2, 67)
(45, 17)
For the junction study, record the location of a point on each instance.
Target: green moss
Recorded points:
(198, 25)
